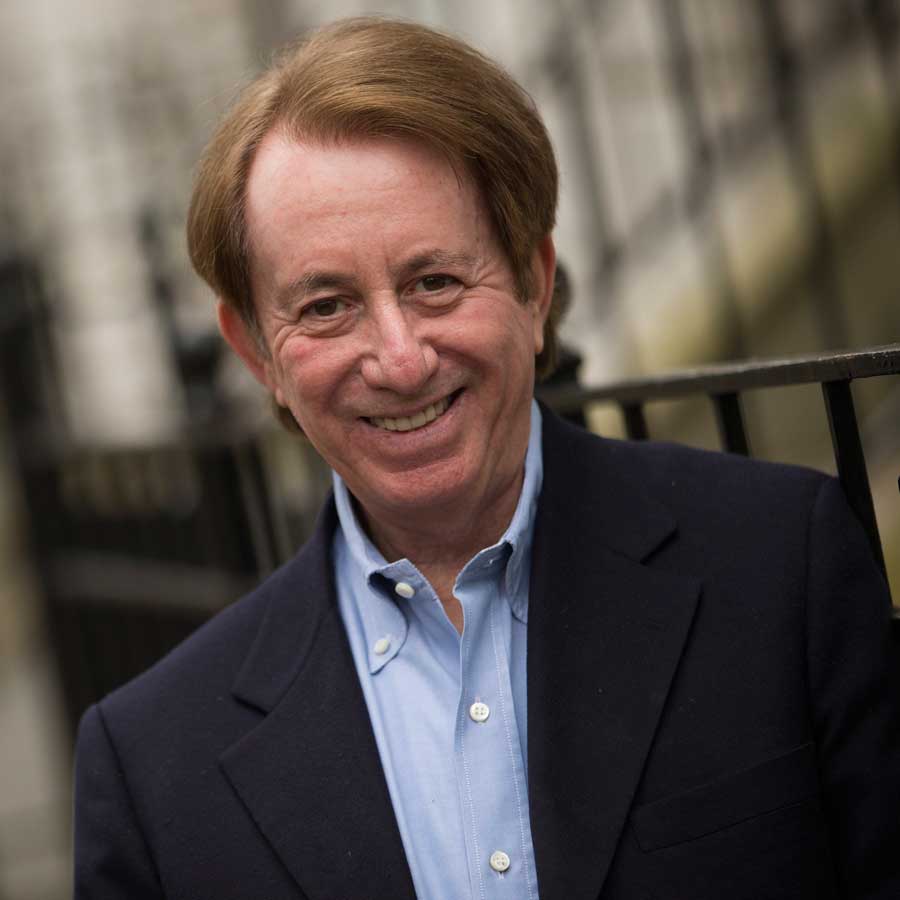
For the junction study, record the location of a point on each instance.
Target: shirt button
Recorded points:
(479, 712)
(382, 645)
(499, 861)
(406, 591)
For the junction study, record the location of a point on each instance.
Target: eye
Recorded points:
(324, 309)
(433, 283)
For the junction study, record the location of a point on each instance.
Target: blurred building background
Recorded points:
(730, 188)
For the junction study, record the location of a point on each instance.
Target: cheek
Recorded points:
(498, 328)
(505, 344)
(519, 343)
(311, 373)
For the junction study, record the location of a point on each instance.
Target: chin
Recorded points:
(416, 492)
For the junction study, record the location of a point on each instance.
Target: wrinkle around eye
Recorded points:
(438, 298)
(338, 319)
(280, 335)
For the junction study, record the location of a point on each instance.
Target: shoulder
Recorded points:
(688, 481)
(210, 657)
(699, 482)
(697, 512)
(195, 681)
(194, 677)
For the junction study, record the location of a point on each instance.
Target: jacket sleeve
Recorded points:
(112, 859)
(855, 698)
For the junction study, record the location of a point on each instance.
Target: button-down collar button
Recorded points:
(382, 645)
(404, 590)
(499, 861)
(479, 712)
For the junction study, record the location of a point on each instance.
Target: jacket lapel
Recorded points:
(309, 773)
(605, 637)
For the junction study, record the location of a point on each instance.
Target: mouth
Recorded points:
(418, 420)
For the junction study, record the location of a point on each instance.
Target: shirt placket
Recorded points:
(489, 759)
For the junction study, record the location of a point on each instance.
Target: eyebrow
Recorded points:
(313, 281)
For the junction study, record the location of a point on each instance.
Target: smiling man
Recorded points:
(515, 660)
(391, 326)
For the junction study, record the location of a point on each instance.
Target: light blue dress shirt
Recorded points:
(449, 711)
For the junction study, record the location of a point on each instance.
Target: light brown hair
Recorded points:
(376, 77)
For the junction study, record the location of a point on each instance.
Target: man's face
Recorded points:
(393, 330)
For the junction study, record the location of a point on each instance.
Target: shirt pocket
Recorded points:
(777, 783)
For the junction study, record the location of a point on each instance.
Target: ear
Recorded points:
(240, 338)
(543, 267)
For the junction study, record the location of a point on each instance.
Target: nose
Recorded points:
(399, 359)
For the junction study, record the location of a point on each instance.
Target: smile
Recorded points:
(410, 423)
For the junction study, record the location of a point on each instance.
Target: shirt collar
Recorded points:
(369, 566)
(520, 532)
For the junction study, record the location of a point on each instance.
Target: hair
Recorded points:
(372, 77)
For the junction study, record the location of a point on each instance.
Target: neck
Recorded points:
(439, 538)
(440, 544)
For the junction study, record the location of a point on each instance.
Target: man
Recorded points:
(515, 660)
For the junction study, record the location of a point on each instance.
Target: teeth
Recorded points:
(408, 423)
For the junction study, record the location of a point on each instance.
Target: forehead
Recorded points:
(292, 181)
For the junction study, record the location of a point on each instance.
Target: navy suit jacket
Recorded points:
(712, 709)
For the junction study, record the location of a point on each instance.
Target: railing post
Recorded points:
(635, 421)
(269, 540)
(850, 459)
(730, 419)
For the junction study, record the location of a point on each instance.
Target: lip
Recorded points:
(405, 422)
(419, 445)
